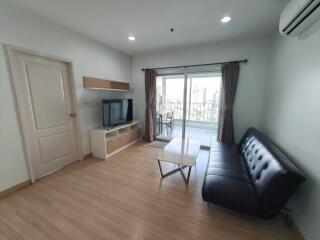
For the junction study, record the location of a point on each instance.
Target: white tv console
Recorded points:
(105, 142)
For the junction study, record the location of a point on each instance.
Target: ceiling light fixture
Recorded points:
(225, 19)
(131, 38)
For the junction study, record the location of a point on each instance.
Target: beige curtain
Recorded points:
(150, 87)
(230, 75)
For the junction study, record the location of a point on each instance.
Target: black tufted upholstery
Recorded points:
(254, 176)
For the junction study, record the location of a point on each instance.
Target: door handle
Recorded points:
(72, 115)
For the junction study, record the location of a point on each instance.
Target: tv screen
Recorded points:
(116, 112)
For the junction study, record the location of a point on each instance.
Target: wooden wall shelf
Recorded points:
(104, 84)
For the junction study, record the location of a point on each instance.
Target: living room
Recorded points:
(179, 165)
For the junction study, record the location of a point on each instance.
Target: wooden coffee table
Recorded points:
(183, 152)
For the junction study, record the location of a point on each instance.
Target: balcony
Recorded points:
(201, 121)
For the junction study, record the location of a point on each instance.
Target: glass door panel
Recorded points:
(169, 106)
(203, 95)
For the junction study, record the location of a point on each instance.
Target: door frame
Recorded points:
(22, 114)
(185, 91)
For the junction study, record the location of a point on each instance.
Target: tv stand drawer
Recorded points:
(125, 138)
(113, 144)
(135, 134)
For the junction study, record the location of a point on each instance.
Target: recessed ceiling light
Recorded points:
(131, 38)
(225, 19)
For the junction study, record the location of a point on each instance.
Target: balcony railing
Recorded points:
(199, 112)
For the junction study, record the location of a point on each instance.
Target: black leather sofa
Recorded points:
(253, 177)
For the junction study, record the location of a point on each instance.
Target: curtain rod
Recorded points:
(197, 65)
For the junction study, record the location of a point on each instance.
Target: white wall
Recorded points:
(20, 28)
(291, 117)
(248, 103)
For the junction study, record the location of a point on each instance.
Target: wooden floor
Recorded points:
(124, 198)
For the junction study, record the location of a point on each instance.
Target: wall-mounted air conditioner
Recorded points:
(299, 16)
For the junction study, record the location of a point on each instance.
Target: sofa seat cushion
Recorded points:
(228, 166)
(228, 172)
(224, 148)
(230, 193)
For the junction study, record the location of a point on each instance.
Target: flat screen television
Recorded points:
(116, 112)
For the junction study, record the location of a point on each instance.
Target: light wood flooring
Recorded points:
(124, 198)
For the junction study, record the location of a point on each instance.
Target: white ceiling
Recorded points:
(195, 21)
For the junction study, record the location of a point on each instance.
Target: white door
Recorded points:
(43, 93)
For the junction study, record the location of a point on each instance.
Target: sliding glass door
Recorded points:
(188, 105)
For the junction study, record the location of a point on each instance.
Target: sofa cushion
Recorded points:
(228, 172)
(231, 166)
(224, 148)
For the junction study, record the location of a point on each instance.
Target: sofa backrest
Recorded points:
(273, 175)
